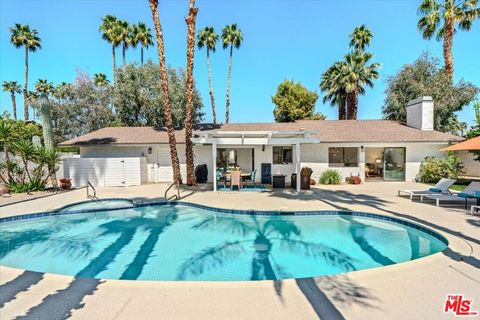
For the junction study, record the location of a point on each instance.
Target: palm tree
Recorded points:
(62, 91)
(231, 37)
(442, 17)
(208, 38)
(100, 79)
(44, 86)
(333, 84)
(144, 38)
(110, 33)
(360, 37)
(22, 36)
(190, 20)
(12, 87)
(167, 112)
(124, 33)
(358, 74)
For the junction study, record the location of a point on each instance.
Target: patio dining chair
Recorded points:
(252, 176)
(221, 178)
(236, 180)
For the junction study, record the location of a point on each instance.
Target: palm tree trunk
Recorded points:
(342, 107)
(212, 98)
(190, 20)
(165, 97)
(14, 107)
(114, 63)
(123, 56)
(229, 80)
(352, 105)
(25, 88)
(141, 55)
(447, 47)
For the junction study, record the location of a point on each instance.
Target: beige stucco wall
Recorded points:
(314, 156)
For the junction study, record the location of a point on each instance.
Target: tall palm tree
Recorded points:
(110, 33)
(144, 38)
(442, 17)
(12, 87)
(208, 38)
(132, 36)
(358, 74)
(190, 20)
(333, 84)
(231, 37)
(22, 36)
(100, 79)
(44, 86)
(167, 112)
(124, 33)
(360, 37)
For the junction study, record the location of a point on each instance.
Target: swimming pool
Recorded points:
(191, 242)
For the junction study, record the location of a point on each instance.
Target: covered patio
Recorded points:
(248, 150)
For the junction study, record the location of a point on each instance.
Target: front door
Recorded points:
(394, 164)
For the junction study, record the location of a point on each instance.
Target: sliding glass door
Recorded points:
(394, 164)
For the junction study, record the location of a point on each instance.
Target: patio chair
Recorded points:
(467, 193)
(251, 178)
(474, 210)
(441, 187)
(236, 180)
(221, 178)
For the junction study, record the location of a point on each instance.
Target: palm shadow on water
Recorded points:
(61, 304)
(21, 240)
(340, 200)
(262, 235)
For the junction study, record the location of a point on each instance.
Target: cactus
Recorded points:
(46, 121)
(44, 105)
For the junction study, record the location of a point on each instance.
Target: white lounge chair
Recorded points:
(474, 210)
(441, 187)
(463, 196)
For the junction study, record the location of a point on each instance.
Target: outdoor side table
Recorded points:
(278, 181)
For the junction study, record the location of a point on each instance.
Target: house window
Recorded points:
(282, 155)
(343, 157)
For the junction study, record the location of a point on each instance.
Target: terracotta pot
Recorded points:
(65, 183)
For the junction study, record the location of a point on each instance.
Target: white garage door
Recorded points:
(105, 172)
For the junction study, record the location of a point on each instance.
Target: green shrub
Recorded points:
(330, 176)
(433, 169)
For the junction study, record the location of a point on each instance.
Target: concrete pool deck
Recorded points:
(411, 290)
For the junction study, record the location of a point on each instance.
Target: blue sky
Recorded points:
(282, 40)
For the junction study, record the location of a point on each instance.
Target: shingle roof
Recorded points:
(327, 131)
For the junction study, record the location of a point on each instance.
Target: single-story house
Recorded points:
(376, 150)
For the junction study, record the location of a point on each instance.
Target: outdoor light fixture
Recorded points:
(150, 150)
(263, 147)
(362, 148)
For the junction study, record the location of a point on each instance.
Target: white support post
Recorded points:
(297, 165)
(214, 156)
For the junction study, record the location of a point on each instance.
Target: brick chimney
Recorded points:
(420, 113)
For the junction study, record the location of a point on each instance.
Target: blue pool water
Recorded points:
(177, 242)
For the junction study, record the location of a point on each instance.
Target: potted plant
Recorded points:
(65, 183)
(354, 180)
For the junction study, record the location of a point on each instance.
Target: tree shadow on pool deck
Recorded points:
(342, 291)
(61, 304)
(21, 283)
